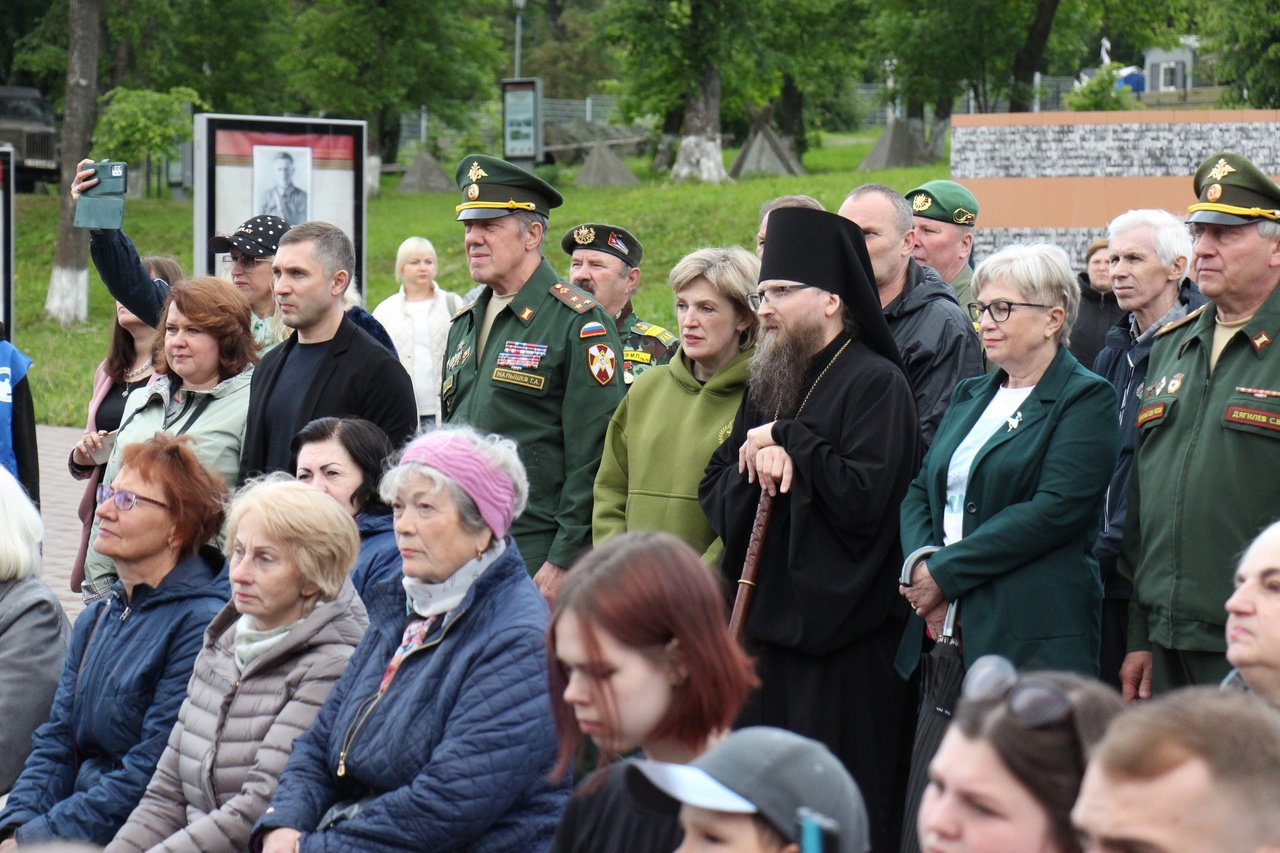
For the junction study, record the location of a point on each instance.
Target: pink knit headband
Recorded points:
(468, 466)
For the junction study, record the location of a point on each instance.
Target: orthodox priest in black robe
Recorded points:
(828, 424)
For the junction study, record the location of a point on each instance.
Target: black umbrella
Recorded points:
(941, 674)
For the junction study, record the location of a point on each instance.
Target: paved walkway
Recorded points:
(59, 498)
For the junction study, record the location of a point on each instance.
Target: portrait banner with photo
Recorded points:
(297, 169)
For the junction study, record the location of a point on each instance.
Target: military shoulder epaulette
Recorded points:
(1174, 324)
(464, 309)
(571, 297)
(665, 337)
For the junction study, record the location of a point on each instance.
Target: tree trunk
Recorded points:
(388, 134)
(1029, 56)
(665, 154)
(941, 123)
(700, 157)
(791, 116)
(67, 300)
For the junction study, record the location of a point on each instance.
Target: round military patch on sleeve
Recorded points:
(602, 362)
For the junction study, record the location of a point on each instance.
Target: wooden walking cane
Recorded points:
(751, 566)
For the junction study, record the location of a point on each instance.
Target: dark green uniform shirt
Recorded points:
(1204, 479)
(550, 378)
(644, 345)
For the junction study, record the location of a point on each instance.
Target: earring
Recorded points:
(1047, 337)
(479, 552)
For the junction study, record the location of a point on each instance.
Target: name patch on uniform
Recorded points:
(1151, 413)
(637, 357)
(516, 377)
(520, 355)
(1253, 417)
(592, 330)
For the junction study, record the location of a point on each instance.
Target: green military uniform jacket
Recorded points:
(1024, 572)
(644, 345)
(550, 378)
(963, 286)
(1204, 480)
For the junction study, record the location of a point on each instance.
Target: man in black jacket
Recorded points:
(1150, 251)
(932, 331)
(329, 367)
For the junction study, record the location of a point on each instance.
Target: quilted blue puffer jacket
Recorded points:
(379, 557)
(456, 754)
(123, 682)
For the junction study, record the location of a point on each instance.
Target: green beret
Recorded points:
(604, 238)
(945, 201)
(492, 188)
(1233, 191)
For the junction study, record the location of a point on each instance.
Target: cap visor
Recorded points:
(220, 245)
(688, 785)
(483, 213)
(1215, 217)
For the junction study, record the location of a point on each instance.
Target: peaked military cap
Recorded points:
(604, 238)
(1233, 191)
(257, 238)
(492, 188)
(945, 201)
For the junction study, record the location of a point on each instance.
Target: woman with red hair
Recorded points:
(641, 654)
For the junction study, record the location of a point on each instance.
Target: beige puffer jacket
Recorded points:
(235, 731)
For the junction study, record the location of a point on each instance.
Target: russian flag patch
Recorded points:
(591, 330)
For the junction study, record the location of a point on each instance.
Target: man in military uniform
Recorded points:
(944, 214)
(606, 263)
(1208, 436)
(284, 199)
(532, 358)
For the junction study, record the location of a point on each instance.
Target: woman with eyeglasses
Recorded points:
(131, 654)
(205, 359)
(675, 415)
(1009, 768)
(1003, 514)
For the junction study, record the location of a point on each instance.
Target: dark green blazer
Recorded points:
(1024, 573)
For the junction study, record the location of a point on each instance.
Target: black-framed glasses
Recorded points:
(125, 500)
(773, 295)
(246, 262)
(1000, 309)
(1032, 702)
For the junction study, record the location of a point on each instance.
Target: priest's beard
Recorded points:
(778, 368)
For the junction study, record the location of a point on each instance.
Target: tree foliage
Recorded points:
(136, 124)
(1246, 36)
(1101, 93)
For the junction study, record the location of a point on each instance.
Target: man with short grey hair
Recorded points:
(932, 332)
(1150, 251)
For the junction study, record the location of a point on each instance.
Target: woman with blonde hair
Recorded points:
(646, 480)
(417, 319)
(33, 630)
(269, 660)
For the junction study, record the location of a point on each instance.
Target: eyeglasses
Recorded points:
(1032, 702)
(773, 295)
(1000, 309)
(125, 500)
(245, 261)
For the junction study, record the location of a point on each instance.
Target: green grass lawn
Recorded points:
(671, 220)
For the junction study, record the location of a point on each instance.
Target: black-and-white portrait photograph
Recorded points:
(282, 182)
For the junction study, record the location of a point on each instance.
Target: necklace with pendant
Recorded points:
(839, 352)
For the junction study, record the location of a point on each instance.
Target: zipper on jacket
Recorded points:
(354, 729)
